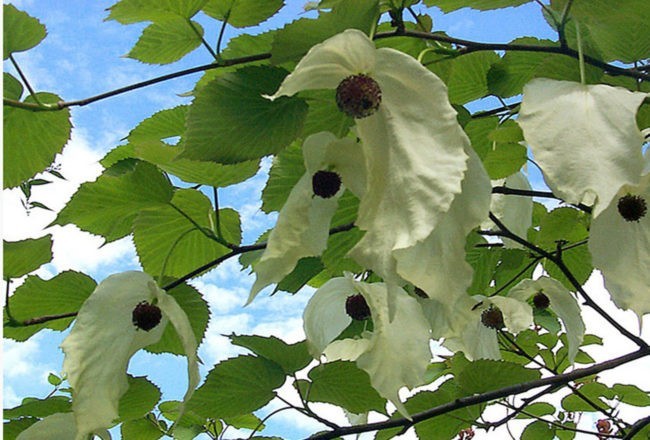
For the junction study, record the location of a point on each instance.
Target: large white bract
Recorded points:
(395, 354)
(413, 147)
(103, 339)
(584, 137)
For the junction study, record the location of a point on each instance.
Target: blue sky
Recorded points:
(83, 56)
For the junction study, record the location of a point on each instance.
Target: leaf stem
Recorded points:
(200, 35)
(224, 23)
(25, 80)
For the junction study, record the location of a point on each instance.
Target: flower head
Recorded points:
(104, 337)
(414, 150)
(325, 317)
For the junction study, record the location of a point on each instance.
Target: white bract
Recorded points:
(462, 329)
(562, 302)
(395, 354)
(103, 339)
(59, 426)
(303, 224)
(584, 137)
(414, 150)
(620, 248)
(515, 212)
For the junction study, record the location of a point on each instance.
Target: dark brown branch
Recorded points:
(475, 46)
(81, 102)
(464, 402)
(533, 193)
(637, 427)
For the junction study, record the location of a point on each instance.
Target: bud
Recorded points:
(632, 208)
(492, 318)
(541, 301)
(325, 183)
(357, 308)
(146, 316)
(358, 96)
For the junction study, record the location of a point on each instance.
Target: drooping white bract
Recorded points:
(376, 352)
(437, 264)
(59, 426)
(103, 339)
(303, 224)
(584, 137)
(621, 250)
(516, 212)
(562, 302)
(413, 146)
(461, 327)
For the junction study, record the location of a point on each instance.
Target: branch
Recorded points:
(64, 104)
(464, 402)
(557, 260)
(475, 46)
(532, 193)
(637, 427)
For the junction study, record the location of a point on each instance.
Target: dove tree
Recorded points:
(445, 251)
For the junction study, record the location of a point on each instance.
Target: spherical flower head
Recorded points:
(492, 318)
(357, 308)
(326, 183)
(541, 301)
(632, 207)
(146, 316)
(358, 96)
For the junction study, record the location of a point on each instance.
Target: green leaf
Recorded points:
(242, 13)
(631, 394)
(484, 262)
(109, 205)
(167, 40)
(12, 429)
(25, 256)
(538, 430)
(442, 427)
(65, 293)
(478, 130)
(508, 76)
(537, 409)
(306, 269)
(291, 357)
(287, 168)
(511, 267)
(481, 5)
(230, 121)
(32, 139)
(133, 11)
(141, 397)
(39, 407)
(168, 241)
(504, 160)
(246, 421)
(593, 391)
(237, 386)
(479, 376)
(20, 31)
(196, 309)
(344, 384)
(54, 380)
(338, 246)
(140, 429)
(295, 39)
(619, 30)
(147, 143)
(13, 89)
(466, 76)
(324, 114)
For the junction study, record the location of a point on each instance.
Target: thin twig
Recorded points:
(64, 104)
(24, 78)
(637, 427)
(200, 35)
(533, 193)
